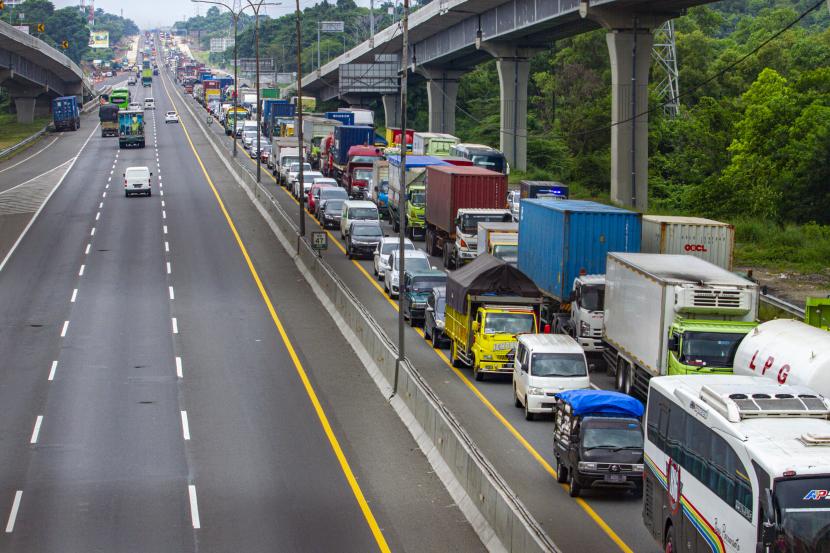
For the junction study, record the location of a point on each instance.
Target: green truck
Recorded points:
(146, 77)
(414, 191)
(131, 129)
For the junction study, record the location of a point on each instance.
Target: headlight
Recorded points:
(439, 324)
(637, 468)
(534, 391)
(584, 329)
(585, 465)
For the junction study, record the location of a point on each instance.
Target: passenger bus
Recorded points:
(120, 97)
(736, 464)
(482, 156)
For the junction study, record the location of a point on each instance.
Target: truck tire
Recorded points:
(456, 362)
(396, 225)
(619, 375)
(573, 485)
(447, 259)
(477, 374)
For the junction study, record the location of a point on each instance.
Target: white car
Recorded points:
(546, 364)
(308, 179)
(138, 180)
(386, 247)
(134, 106)
(248, 139)
(357, 210)
(416, 260)
(294, 170)
(171, 117)
(149, 103)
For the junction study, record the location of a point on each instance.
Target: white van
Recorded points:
(149, 103)
(544, 365)
(138, 180)
(357, 210)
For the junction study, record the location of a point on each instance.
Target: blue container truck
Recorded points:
(346, 136)
(65, 113)
(273, 110)
(563, 245)
(345, 117)
(205, 77)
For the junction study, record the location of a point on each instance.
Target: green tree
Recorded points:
(70, 25)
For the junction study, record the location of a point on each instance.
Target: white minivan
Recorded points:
(149, 103)
(138, 180)
(546, 364)
(357, 210)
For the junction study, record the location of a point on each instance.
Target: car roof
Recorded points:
(429, 273)
(561, 342)
(395, 239)
(412, 253)
(360, 203)
(138, 168)
(363, 223)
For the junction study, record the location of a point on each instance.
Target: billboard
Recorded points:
(218, 45)
(99, 39)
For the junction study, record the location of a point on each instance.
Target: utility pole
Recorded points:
(402, 198)
(300, 125)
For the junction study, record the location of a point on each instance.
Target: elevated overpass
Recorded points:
(450, 37)
(33, 72)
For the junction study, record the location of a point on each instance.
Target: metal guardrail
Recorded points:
(785, 306)
(22, 143)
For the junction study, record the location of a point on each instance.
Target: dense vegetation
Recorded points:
(69, 24)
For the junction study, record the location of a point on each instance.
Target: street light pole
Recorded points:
(300, 121)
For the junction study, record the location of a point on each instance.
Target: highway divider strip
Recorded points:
(497, 515)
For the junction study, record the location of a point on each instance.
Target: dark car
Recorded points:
(330, 213)
(417, 288)
(326, 194)
(434, 318)
(363, 238)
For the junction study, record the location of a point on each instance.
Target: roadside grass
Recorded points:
(12, 132)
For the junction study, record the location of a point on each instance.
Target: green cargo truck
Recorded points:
(146, 77)
(131, 129)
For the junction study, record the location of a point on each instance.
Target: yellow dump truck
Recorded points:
(489, 303)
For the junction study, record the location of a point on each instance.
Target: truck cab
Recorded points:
(584, 319)
(358, 170)
(466, 232)
(704, 347)
(598, 440)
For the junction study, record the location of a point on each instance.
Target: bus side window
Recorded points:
(676, 435)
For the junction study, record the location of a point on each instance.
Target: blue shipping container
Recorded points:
(415, 161)
(345, 117)
(65, 113)
(558, 239)
(346, 136)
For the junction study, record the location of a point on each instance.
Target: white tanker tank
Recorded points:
(787, 351)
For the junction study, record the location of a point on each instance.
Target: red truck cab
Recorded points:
(359, 169)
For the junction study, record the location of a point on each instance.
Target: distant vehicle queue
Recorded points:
(720, 423)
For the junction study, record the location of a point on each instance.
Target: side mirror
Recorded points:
(673, 343)
(572, 296)
(476, 326)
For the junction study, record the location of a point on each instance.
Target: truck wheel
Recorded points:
(573, 485)
(396, 226)
(456, 362)
(436, 341)
(561, 471)
(628, 381)
(619, 377)
(477, 374)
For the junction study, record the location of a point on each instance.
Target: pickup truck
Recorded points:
(489, 303)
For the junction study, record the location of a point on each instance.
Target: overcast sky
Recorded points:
(152, 13)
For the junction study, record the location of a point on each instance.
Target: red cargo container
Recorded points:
(461, 161)
(450, 188)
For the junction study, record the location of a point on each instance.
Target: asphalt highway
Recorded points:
(601, 520)
(170, 383)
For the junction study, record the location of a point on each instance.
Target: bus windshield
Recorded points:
(804, 516)
(709, 349)
(494, 162)
(509, 323)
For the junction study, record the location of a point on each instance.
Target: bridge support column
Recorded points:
(25, 108)
(392, 110)
(442, 91)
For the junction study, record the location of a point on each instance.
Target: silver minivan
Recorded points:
(357, 210)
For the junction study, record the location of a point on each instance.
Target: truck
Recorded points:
(130, 128)
(704, 238)
(287, 156)
(489, 303)
(672, 315)
(379, 186)
(315, 130)
(362, 116)
(414, 190)
(499, 240)
(278, 146)
(563, 247)
(598, 440)
(234, 116)
(817, 312)
(343, 138)
(146, 77)
(433, 144)
(393, 137)
(788, 352)
(531, 189)
(66, 116)
(108, 116)
(344, 117)
(458, 199)
(357, 173)
(120, 97)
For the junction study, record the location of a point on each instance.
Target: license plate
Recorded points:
(616, 478)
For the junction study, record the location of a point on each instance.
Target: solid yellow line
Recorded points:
(612, 535)
(324, 421)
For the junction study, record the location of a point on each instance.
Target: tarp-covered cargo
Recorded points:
(601, 402)
(487, 276)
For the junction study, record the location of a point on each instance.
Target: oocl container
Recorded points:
(704, 238)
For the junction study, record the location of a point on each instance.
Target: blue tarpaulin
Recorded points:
(601, 402)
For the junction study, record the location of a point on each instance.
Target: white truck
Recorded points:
(287, 157)
(704, 238)
(278, 144)
(788, 352)
(433, 144)
(672, 315)
(362, 116)
(315, 131)
(499, 240)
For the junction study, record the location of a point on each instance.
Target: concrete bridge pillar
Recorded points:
(630, 42)
(25, 108)
(392, 110)
(442, 91)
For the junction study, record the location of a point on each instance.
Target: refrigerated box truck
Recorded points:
(704, 238)
(672, 315)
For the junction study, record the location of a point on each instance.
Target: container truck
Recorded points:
(108, 116)
(315, 130)
(672, 315)
(357, 173)
(344, 117)
(433, 144)
(130, 129)
(563, 246)
(414, 190)
(788, 352)
(65, 113)
(344, 137)
(457, 200)
(361, 116)
(489, 303)
(710, 240)
(499, 240)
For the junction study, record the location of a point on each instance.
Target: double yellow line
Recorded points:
(298, 366)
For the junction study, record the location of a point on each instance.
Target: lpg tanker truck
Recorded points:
(787, 351)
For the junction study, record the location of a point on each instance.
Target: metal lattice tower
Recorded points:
(665, 54)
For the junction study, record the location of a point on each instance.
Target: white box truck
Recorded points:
(704, 238)
(672, 314)
(788, 352)
(433, 144)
